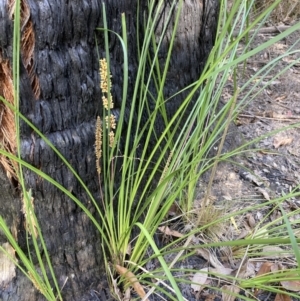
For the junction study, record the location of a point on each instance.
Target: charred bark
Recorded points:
(60, 95)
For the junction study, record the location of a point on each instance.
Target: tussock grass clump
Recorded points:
(181, 156)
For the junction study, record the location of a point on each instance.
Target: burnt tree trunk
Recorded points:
(60, 94)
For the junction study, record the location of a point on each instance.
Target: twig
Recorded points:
(291, 118)
(264, 30)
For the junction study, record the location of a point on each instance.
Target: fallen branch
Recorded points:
(264, 30)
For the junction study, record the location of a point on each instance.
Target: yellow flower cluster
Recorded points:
(104, 76)
(166, 167)
(98, 144)
(110, 121)
(105, 86)
(105, 102)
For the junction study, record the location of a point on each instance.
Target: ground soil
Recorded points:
(276, 161)
(272, 170)
(269, 171)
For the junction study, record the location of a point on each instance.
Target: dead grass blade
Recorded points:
(130, 277)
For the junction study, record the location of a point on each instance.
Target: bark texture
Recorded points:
(60, 94)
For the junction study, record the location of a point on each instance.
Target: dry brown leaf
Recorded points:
(282, 297)
(264, 268)
(132, 280)
(166, 230)
(292, 285)
(250, 220)
(264, 193)
(199, 279)
(229, 292)
(282, 141)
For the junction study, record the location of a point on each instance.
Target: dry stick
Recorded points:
(133, 281)
(213, 172)
(280, 30)
(264, 30)
(290, 118)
